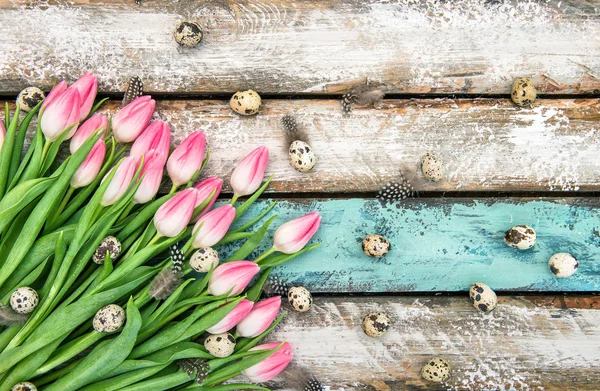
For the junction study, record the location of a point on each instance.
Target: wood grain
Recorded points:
(281, 46)
(521, 345)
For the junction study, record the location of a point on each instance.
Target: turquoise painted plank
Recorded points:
(443, 244)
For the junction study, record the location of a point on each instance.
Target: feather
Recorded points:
(196, 368)
(367, 94)
(165, 283)
(8, 317)
(135, 88)
(293, 131)
(396, 191)
(275, 287)
(300, 379)
(177, 258)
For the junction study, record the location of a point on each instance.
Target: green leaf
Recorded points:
(6, 151)
(31, 169)
(19, 197)
(38, 141)
(251, 243)
(166, 307)
(161, 383)
(96, 107)
(121, 381)
(256, 219)
(280, 259)
(59, 254)
(233, 236)
(142, 218)
(254, 293)
(19, 141)
(53, 151)
(240, 210)
(69, 351)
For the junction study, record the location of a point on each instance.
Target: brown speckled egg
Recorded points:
(220, 345)
(188, 34)
(563, 265)
(432, 167)
(29, 98)
(109, 319)
(376, 246)
(523, 92)
(302, 156)
(376, 324)
(300, 298)
(521, 237)
(24, 386)
(24, 300)
(483, 297)
(245, 102)
(437, 370)
(203, 259)
(110, 245)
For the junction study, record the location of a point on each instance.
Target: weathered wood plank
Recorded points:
(281, 46)
(519, 346)
(443, 244)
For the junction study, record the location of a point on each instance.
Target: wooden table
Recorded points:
(449, 67)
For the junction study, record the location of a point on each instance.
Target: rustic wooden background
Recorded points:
(449, 66)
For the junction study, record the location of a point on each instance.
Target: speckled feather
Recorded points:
(293, 130)
(396, 191)
(363, 95)
(196, 368)
(8, 317)
(165, 283)
(275, 287)
(300, 379)
(135, 89)
(177, 258)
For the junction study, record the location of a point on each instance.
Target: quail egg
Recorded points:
(220, 345)
(563, 265)
(24, 300)
(376, 324)
(29, 98)
(437, 370)
(109, 319)
(521, 237)
(523, 91)
(376, 246)
(24, 386)
(483, 297)
(302, 156)
(245, 102)
(203, 259)
(432, 167)
(188, 34)
(300, 298)
(110, 245)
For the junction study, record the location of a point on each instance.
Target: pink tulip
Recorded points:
(213, 226)
(260, 318)
(249, 173)
(151, 174)
(2, 134)
(87, 129)
(60, 114)
(132, 119)
(232, 276)
(233, 318)
(87, 85)
(54, 93)
(156, 137)
(174, 215)
(293, 235)
(89, 169)
(187, 158)
(120, 181)
(273, 365)
(205, 189)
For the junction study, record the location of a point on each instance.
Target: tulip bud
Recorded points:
(273, 365)
(55, 92)
(87, 85)
(60, 114)
(174, 215)
(89, 169)
(132, 119)
(151, 174)
(234, 276)
(187, 158)
(249, 173)
(233, 318)
(156, 137)
(87, 129)
(260, 318)
(213, 226)
(2, 134)
(292, 236)
(205, 189)
(120, 181)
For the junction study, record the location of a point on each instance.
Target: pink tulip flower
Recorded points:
(249, 173)
(60, 114)
(2, 134)
(234, 276)
(120, 181)
(293, 235)
(273, 365)
(89, 169)
(205, 189)
(132, 119)
(260, 318)
(233, 318)
(151, 174)
(87, 129)
(174, 215)
(156, 137)
(187, 158)
(54, 93)
(87, 85)
(213, 226)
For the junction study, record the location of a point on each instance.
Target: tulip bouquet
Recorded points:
(107, 285)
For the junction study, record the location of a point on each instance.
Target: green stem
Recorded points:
(173, 189)
(234, 199)
(62, 205)
(47, 145)
(265, 254)
(154, 240)
(125, 213)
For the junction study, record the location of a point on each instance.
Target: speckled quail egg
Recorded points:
(523, 91)
(563, 265)
(110, 245)
(300, 298)
(109, 319)
(302, 156)
(188, 34)
(245, 102)
(376, 246)
(29, 98)
(24, 386)
(483, 297)
(432, 167)
(24, 300)
(220, 345)
(203, 259)
(437, 370)
(521, 237)
(376, 324)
